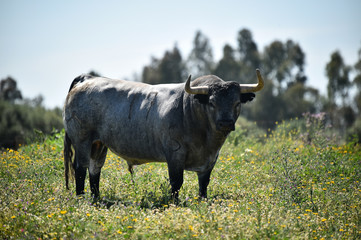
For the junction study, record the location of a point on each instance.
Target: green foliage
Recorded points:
(246, 131)
(285, 95)
(248, 49)
(200, 61)
(19, 123)
(267, 107)
(280, 60)
(250, 58)
(355, 131)
(338, 75)
(9, 90)
(228, 68)
(277, 187)
(169, 69)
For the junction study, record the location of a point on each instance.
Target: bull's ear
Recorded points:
(247, 97)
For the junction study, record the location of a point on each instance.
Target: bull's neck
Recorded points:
(200, 128)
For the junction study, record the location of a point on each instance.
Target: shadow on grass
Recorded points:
(152, 200)
(158, 199)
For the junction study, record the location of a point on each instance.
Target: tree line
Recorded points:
(285, 96)
(24, 120)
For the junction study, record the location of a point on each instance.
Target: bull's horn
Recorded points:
(195, 90)
(247, 88)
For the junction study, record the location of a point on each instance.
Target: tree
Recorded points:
(228, 68)
(267, 107)
(355, 130)
(357, 82)
(170, 69)
(200, 61)
(18, 121)
(248, 48)
(338, 86)
(285, 63)
(9, 91)
(274, 58)
(249, 56)
(151, 72)
(296, 57)
(338, 78)
(300, 99)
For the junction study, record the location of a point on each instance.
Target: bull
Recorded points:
(184, 125)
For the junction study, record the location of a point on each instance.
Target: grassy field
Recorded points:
(292, 183)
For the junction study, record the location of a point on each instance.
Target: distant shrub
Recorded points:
(18, 122)
(354, 133)
(245, 130)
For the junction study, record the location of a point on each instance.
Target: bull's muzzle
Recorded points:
(225, 125)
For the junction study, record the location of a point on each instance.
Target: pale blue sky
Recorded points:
(44, 45)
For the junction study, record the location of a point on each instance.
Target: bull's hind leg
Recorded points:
(80, 174)
(98, 155)
(80, 166)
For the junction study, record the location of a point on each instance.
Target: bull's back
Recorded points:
(129, 118)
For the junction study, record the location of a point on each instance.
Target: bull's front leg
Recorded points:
(203, 181)
(175, 171)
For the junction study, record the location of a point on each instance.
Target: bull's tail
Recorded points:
(68, 163)
(68, 152)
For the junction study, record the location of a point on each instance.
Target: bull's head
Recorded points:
(222, 100)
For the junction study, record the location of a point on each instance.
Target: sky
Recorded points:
(45, 44)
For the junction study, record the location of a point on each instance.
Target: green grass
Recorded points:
(291, 184)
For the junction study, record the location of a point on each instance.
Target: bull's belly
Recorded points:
(205, 166)
(137, 152)
(201, 162)
(139, 161)
(134, 158)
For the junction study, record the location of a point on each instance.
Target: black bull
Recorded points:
(182, 125)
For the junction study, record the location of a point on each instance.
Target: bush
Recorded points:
(22, 123)
(355, 131)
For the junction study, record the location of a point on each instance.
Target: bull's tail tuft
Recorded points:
(68, 163)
